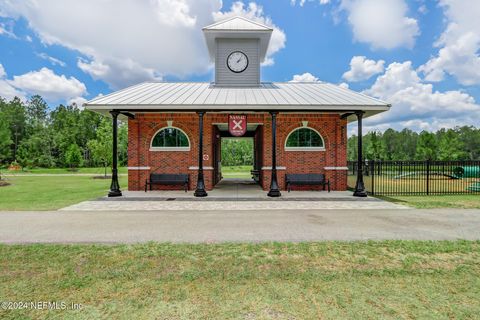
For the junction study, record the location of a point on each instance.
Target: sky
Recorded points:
(422, 56)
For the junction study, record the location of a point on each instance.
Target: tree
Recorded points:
(36, 150)
(122, 144)
(469, 136)
(352, 151)
(237, 152)
(101, 147)
(426, 146)
(449, 145)
(14, 115)
(36, 113)
(5, 139)
(374, 147)
(73, 156)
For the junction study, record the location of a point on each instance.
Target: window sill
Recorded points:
(304, 149)
(169, 148)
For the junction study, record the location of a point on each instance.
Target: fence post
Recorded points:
(373, 176)
(428, 177)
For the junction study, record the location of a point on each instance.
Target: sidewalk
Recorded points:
(233, 225)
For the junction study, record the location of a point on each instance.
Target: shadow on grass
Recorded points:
(390, 199)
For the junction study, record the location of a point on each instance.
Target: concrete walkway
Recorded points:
(232, 194)
(228, 225)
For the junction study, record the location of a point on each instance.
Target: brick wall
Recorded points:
(142, 161)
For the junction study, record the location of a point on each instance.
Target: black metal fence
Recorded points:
(418, 177)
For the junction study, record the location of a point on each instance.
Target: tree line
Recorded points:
(460, 143)
(32, 135)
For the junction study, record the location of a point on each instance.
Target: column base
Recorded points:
(200, 193)
(360, 193)
(274, 193)
(114, 193)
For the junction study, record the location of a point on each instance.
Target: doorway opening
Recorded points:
(238, 160)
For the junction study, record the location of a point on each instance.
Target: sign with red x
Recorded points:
(237, 124)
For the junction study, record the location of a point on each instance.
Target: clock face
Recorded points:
(237, 61)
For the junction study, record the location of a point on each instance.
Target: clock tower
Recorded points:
(237, 46)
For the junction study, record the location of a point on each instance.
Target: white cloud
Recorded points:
(383, 24)
(7, 91)
(306, 77)
(302, 2)
(344, 85)
(137, 40)
(118, 72)
(6, 29)
(459, 44)
(124, 42)
(52, 60)
(416, 104)
(49, 85)
(255, 12)
(362, 69)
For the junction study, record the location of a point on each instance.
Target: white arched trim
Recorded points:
(304, 148)
(152, 148)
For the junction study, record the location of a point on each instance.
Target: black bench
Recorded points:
(306, 179)
(167, 179)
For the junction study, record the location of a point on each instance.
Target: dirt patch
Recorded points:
(102, 177)
(4, 183)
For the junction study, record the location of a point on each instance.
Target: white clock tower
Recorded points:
(237, 46)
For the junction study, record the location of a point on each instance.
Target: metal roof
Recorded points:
(287, 96)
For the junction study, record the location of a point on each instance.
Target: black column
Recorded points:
(114, 186)
(200, 190)
(360, 186)
(274, 191)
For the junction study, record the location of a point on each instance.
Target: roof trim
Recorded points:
(212, 26)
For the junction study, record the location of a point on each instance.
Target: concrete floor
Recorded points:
(232, 194)
(239, 189)
(227, 225)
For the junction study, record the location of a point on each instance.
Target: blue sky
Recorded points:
(420, 55)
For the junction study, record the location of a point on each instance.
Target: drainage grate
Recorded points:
(171, 199)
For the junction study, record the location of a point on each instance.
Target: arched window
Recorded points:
(304, 139)
(170, 139)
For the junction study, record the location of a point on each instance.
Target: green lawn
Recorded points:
(328, 280)
(242, 172)
(50, 192)
(99, 171)
(445, 201)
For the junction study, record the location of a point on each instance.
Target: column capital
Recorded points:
(273, 113)
(114, 113)
(201, 113)
(359, 113)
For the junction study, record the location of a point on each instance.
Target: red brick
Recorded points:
(142, 129)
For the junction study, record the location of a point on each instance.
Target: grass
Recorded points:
(444, 201)
(99, 171)
(328, 280)
(241, 172)
(50, 192)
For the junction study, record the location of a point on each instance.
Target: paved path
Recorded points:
(227, 225)
(245, 205)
